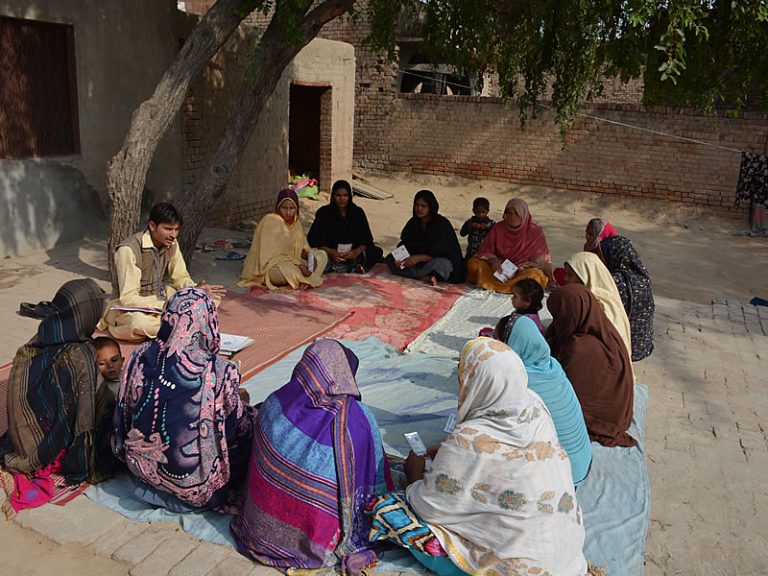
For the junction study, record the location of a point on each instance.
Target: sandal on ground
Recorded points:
(231, 256)
(39, 311)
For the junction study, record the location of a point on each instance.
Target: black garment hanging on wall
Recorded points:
(753, 180)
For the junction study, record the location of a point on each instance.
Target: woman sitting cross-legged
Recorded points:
(547, 378)
(59, 410)
(279, 254)
(517, 239)
(180, 425)
(433, 248)
(634, 285)
(317, 460)
(596, 362)
(341, 230)
(499, 497)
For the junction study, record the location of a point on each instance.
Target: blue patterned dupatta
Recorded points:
(179, 424)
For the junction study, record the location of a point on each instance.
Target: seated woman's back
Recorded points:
(500, 496)
(180, 425)
(317, 459)
(596, 361)
(634, 285)
(56, 411)
(547, 378)
(586, 268)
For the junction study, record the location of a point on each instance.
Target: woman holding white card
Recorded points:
(499, 498)
(429, 249)
(279, 254)
(341, 230)
(514, 242)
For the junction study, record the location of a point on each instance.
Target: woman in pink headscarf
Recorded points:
(517, 239)
(597, 229)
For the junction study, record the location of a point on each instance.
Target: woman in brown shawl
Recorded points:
(596, 361)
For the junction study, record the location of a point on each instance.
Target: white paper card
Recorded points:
(137, 309)
(508, 269)
(232, 343)
(416, 443)
(450, 424)
(400, 253)
(311, 262)
(344, 248)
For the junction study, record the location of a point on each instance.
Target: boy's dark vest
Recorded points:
(153, 264)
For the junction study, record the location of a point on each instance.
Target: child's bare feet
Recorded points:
(359, 269)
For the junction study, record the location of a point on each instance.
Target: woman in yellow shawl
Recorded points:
(279, 254)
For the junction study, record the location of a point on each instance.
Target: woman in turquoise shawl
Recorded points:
(547, 378)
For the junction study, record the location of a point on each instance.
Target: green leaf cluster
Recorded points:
(699, 53)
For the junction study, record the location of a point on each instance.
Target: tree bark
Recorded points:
(275, 51)
(127, 171)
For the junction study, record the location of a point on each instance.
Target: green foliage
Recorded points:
(701, 53)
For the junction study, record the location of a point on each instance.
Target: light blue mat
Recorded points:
(416, 392)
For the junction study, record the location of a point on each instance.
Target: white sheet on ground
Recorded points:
(475, 310)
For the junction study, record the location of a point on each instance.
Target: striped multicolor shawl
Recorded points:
(53, 400)
(317, 459)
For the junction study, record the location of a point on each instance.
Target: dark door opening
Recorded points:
(304, 130)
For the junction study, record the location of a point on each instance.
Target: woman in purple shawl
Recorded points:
(317, 459)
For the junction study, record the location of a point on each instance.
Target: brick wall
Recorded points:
(482, 138)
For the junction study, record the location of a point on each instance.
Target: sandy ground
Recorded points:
(699, 525)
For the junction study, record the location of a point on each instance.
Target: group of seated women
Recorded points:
(340, 240)
(305, 473)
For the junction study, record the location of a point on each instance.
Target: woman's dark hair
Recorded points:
(164, 213)
(428, 197)
(532, 291)
(341, 184)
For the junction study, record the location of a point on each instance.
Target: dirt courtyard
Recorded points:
(707, 451)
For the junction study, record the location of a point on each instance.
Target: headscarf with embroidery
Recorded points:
(500, 496)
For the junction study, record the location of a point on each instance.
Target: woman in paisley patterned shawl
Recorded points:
(634, 285)
(499, 496)
(180, 425)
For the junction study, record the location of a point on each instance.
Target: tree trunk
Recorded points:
(275, 51)
(127, 171)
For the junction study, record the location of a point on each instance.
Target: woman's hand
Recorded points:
(212, 289)
(304, 270)
(495, 263)
(334, 254)
(414, 467)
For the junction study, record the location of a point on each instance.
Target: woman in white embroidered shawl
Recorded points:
(500, 496)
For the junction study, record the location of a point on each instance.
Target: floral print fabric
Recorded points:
(500, 496)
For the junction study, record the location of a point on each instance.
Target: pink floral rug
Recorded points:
(395, 310)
